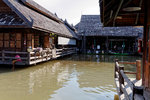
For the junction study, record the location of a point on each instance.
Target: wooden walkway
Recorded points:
(128, 88)
(31, 58)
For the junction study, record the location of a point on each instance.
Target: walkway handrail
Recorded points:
(138, 68)
(120, 74)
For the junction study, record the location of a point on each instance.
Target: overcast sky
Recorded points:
(71, 9)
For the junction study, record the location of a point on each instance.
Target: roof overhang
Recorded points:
(122, 12)
(14, 26)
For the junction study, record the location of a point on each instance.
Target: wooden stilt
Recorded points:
(138, 70)
(13, 63)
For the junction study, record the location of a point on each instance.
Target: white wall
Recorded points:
(66, 41)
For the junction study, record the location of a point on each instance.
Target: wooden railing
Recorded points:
(8, 56)
(36, 57)
(65, 51)
(29, 58)
(125, 82)
(138, 68)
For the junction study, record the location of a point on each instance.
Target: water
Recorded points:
(77, 77)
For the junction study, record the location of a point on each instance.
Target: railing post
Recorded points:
(121, 79)
(29, 56)
(138, 69)
(115, 68)
(3, 55)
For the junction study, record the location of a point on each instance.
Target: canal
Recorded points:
(76, 77)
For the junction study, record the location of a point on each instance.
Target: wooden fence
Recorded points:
(126, 86)
(6, 57)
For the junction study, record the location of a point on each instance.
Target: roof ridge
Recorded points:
(38, 8)
(90, 15)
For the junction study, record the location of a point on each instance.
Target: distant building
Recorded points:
(97, 39)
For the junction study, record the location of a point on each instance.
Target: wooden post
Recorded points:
(29, 56)
(121, 79)
(138, 69)
(13, 63)
(115, 68)
(3, 55)
(34, 57)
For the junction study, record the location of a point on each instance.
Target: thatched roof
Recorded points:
(40, 9)
(37, 17)
(92, 26)
(71, 29)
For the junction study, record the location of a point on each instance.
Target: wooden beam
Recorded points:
(137, 17)
(127, 97)
(121, 78)
(109, 4)
(132, 63)
(120, 5)
(130, 73)
(126, 79)
(126, 4)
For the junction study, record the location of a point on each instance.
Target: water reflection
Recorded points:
(74, 78)
(103, 58)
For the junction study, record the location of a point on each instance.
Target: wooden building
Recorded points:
(33, 33)
(112, 40)
(131, 13)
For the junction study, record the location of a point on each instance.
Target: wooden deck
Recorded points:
(31, 58)
(128, 88)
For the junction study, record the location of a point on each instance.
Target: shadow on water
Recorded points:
(8, 68)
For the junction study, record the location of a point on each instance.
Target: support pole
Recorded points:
(138, 69)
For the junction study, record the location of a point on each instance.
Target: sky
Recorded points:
(71, 9)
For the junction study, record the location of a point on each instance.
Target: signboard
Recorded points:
(66, 41)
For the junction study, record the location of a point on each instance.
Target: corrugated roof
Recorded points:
(37, 20)
(92, 26)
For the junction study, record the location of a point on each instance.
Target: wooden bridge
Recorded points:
(128, 88)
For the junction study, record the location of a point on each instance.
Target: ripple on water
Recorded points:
(74, 78)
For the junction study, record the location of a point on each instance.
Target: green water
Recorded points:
(76, 77)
